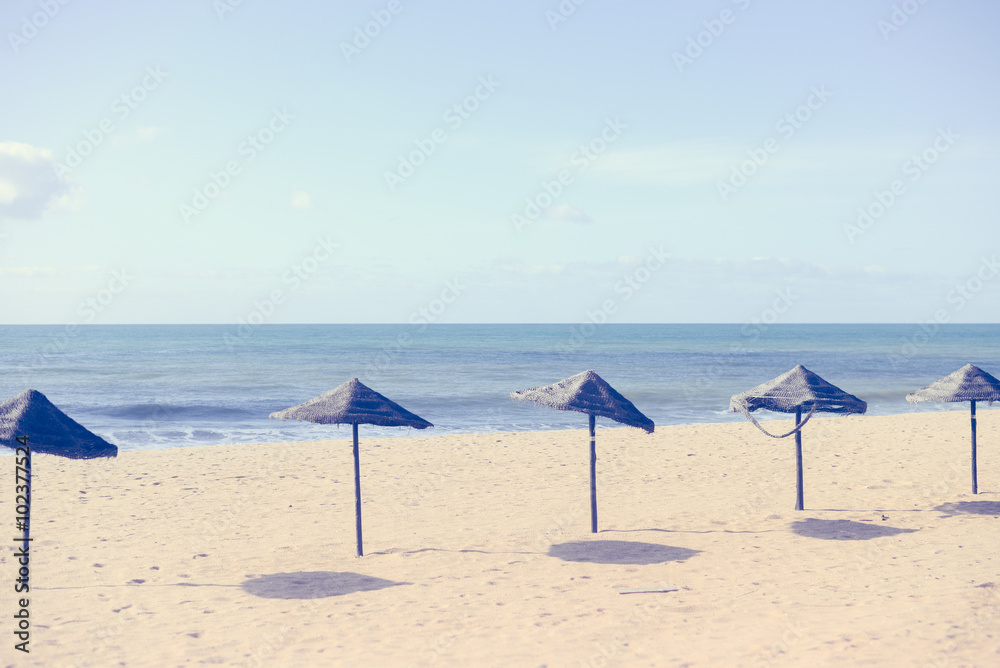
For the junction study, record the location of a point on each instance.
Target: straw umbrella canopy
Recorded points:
(31, 423)
(970, 383)
(51, 431)
(588, 393)
(790, 393)
(353, 403)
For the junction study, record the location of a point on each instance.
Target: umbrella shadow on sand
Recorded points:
(843, 529)
(970, 508)
(619, 552)
(314, 584)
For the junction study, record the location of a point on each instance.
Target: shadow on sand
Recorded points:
(314, 584)
(970, 508)
(843, 529)
(619, 552)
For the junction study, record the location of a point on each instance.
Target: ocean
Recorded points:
(165, 386)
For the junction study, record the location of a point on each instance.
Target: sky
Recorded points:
(227, 161)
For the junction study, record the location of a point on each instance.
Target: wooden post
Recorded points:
(357, 491)
(975, 482)
(593, 477)
(798, 460)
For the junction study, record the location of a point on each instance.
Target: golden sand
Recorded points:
(479, 551)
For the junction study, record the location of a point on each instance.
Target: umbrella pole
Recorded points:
(975, 483)
(798, 460)
(593, 477)
(357, 491)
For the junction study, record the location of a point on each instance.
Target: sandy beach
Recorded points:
(479, 551)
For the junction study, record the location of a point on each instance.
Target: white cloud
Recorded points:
(675, 164)
(8, 193)
(28, 272)
(707, 161)
(567, 212)
(148, 133)
(690, 289)
(537, 269)
(29, 186)
(301, 200)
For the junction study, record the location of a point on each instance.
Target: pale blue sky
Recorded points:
(336, 128)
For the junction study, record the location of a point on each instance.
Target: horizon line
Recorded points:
(447, 324)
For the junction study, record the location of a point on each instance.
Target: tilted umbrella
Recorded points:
(790, 393)
(970, 383)
(588, 393)
(30, 422)
(353, 403)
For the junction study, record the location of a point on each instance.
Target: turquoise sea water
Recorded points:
(159, 386)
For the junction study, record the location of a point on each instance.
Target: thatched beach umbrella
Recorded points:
(588, 393)
(353, 403)
(790, 393)
(970, 383)
(31, 423)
